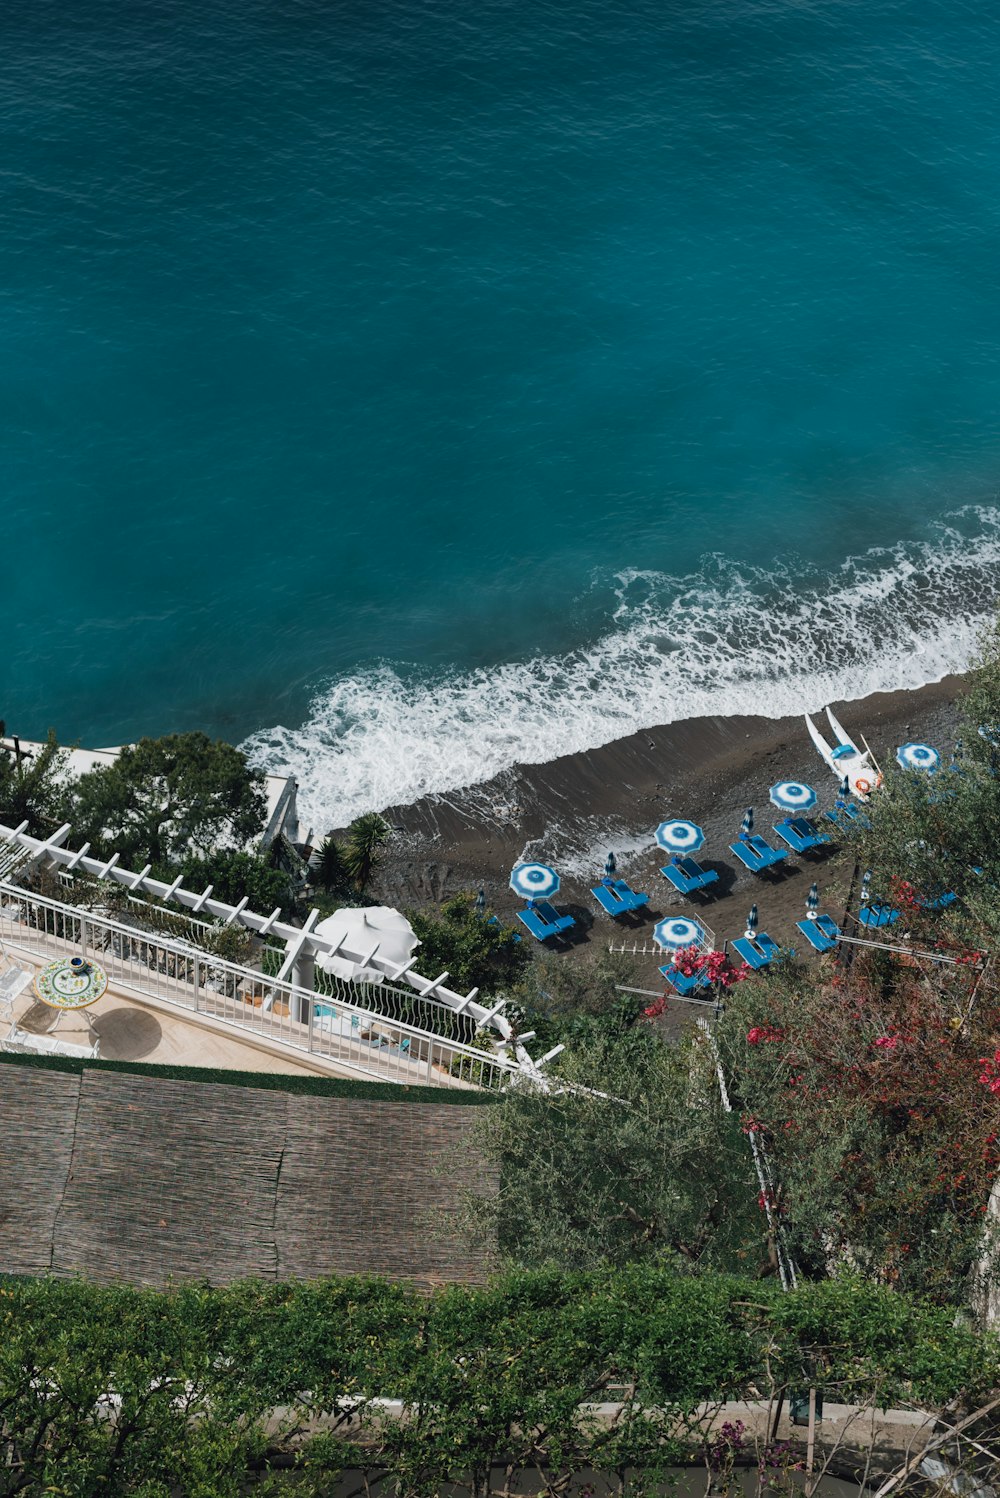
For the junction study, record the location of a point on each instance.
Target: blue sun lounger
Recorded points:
(878, 913)
(801, 834)
(684, 985)
(615, 897)
(941, 903)
(756, 951)
(845, 814)
(757, 855)
(821, 933)
(544, 921)
(687, 876)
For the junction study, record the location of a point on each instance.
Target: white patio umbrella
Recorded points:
(360, 930)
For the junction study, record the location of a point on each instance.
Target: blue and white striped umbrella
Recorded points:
(812, 901)
(751, 922)
(535, 881)
(747, 825)
(918, 757)
(677, 932)
(680, 837)
(609, 866)
(792, 795)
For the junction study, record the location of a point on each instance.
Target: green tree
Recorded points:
(632, 1158)
(366, 838)
(562, 1001)
(235, 875)
(930, 834)
(476, 952)
(30, 789)
(330, 870)
(166, 799)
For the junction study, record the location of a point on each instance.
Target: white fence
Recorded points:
(379, 1031)
(650, 948)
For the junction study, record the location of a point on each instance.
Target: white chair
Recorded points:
(17, 1039)
(13, 981)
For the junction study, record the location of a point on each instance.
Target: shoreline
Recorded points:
(573, 810)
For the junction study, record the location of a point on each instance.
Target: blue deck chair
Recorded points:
(756, 854)
(821, 933)
(616, 898)
(941, 903)
(682, 984)
(878, 913)
(687, 876)
(544, 921)
(846, 814)
(756, 951)
(801, 834)
(549, 913)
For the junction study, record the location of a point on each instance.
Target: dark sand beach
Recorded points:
(573, 811)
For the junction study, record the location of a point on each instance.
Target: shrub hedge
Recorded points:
(387, 1092)
(113, 1390)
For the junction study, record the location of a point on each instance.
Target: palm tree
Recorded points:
(330, 870)
(366, 837)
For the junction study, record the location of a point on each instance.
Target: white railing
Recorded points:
(377, 1030)
(650, 948)
(303, 942)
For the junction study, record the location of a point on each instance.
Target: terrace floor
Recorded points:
(131, 1031)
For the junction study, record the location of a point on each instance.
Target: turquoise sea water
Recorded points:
(419, 387)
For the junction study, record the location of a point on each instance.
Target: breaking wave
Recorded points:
(726, 641)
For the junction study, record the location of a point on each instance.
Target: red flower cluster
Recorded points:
(990, 1074)
(763, 1034)
(716, 964)
(904, 893)
(888, 1042)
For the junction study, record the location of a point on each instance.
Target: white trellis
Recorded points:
(19, 852)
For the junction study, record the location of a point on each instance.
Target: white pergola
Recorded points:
(19, 851)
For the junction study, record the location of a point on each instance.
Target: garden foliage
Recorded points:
(276, 1387)
(163, 800)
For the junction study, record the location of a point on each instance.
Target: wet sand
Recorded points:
(572, 811)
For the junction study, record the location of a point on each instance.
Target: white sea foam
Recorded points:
(729, 641)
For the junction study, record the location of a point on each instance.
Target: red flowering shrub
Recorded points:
(875, 1104)
(990, 1074)
(692, 960)
(764, 1034)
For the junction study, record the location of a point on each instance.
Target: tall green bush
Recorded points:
(112, 1391)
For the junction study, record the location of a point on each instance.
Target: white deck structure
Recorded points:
(405, 1028)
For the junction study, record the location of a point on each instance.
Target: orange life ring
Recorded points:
(864, 786)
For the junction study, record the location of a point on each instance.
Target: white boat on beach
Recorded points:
(845, 759)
